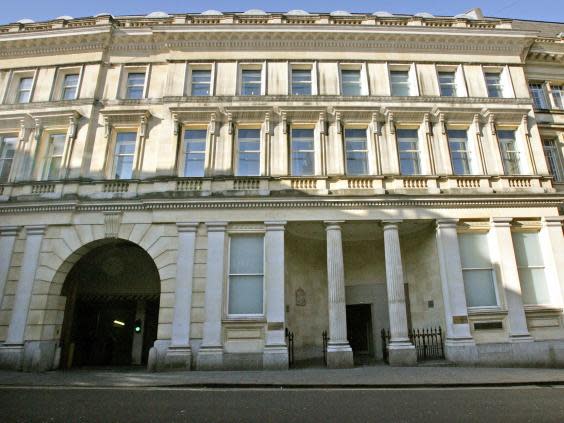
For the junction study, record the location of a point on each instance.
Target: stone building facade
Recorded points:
(182, 190)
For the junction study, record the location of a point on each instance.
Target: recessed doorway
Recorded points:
(359, 331)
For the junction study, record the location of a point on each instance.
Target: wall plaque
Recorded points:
(459, 320)
(300, 297)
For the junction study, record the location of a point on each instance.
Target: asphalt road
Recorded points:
(183, 405)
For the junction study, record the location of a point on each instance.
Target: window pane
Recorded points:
(350, 81)
(509, 154)
(135, 85)
(201, 82)
(493, 83)
(303, 152)
(248, 163)
(459, 154)
(7, 152)
(301, 81)
(474, 251)
(539, 99)
(479, 288)
(551, 155)
(400, 83)
(25, 83)
(124, 153)
(447, 84)
(534, 289)
(356, 151)
(246, 255)
(251, 82)
(194, 152)
(136, 78)
(245, 294)
(408, 149)
(527, 249)
(558, 96)
(24, 90)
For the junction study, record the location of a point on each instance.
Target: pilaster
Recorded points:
(8, 236)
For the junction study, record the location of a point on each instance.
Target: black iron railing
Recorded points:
(325, 340)
(429, 343)
(290, 343)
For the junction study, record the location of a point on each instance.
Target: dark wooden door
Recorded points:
(359, 328)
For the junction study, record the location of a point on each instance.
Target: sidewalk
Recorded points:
(369, 376)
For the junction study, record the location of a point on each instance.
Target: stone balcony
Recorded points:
(273, 186)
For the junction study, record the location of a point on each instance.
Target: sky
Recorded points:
(38, 10)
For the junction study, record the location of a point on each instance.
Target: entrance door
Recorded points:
(359, 329)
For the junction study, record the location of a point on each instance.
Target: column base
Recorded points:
(179, 357)
(339, 356)
(210, 358)
(402, 354)
(275, 357)
(11, 356)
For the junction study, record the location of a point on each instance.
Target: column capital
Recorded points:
(9, 230)
(447, 223)
(275, 225)
(187, 227)
(501, 221)
(390, 223)
(332, 225)
(553, 221)
(216, 226)
(35, 229)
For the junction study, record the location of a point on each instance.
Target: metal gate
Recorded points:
(429, 343)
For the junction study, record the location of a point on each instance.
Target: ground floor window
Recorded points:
(530, 265)
(246, 275)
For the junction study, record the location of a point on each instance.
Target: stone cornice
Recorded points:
(510, 201)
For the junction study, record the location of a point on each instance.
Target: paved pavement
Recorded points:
(367, 376)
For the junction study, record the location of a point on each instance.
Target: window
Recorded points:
(408, 149)
(558, 96)
(53, 156)
(552, 160)
(303, 152)
(194, 152)
(200, 82)
(459, 152)
(8, 145)
(350, 82)
(400, 83)
(124, 153)
(539, 98)
(447, 84)
(251, 81)
(356, 151)
(248, 157)
(477, 270)
(509, 152)
(301, 81)
(70, 86)
(493, 84)
(530, 265)
(246, 275)
(135, 85)
(24, 90)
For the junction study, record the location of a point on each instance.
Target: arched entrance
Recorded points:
(112, 307)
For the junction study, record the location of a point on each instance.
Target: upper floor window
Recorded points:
(303, 152)
(248, 152)
(356, 151)
(200, 82)
(408, 149)
(351, 83)
(477, 270)
(23, 94)
(135, 88)
(447, 84)
(558, 96)
(8, 145)
(539, 97)
(493, 84)
(553, 159)
(301, 81)
(459, 151)
(246, 275)
(70, 86)
(510, 155)
(53, 159)
(530, 265)
(251, 81)
(194, 152)
(124, 154)
(400, 84)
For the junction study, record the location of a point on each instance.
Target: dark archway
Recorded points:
(111, 314)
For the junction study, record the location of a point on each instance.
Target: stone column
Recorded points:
(459, 344)
(503, 256)
(401, 350)
(275, 354)
(210, 356)
(11, 353)
(7, 239)
(179, 354)
(339, 352)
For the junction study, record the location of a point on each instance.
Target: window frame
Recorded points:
(367, 151)
(11, 93)
(59, 82)
(362, 78)
(412, 78)
(518, 150)
(469, 150)
(237, 150)
(46, 158)
(245, 233)
(453, 84)
(182, 151)
(558, 172)
(313, 78)
(419, 150)
(200, 67)
(544, 97)
(261, 67)
(111, 157)
(3, 160)
(557, 87)
(313, 152)
(461, 90)
(131, 69)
